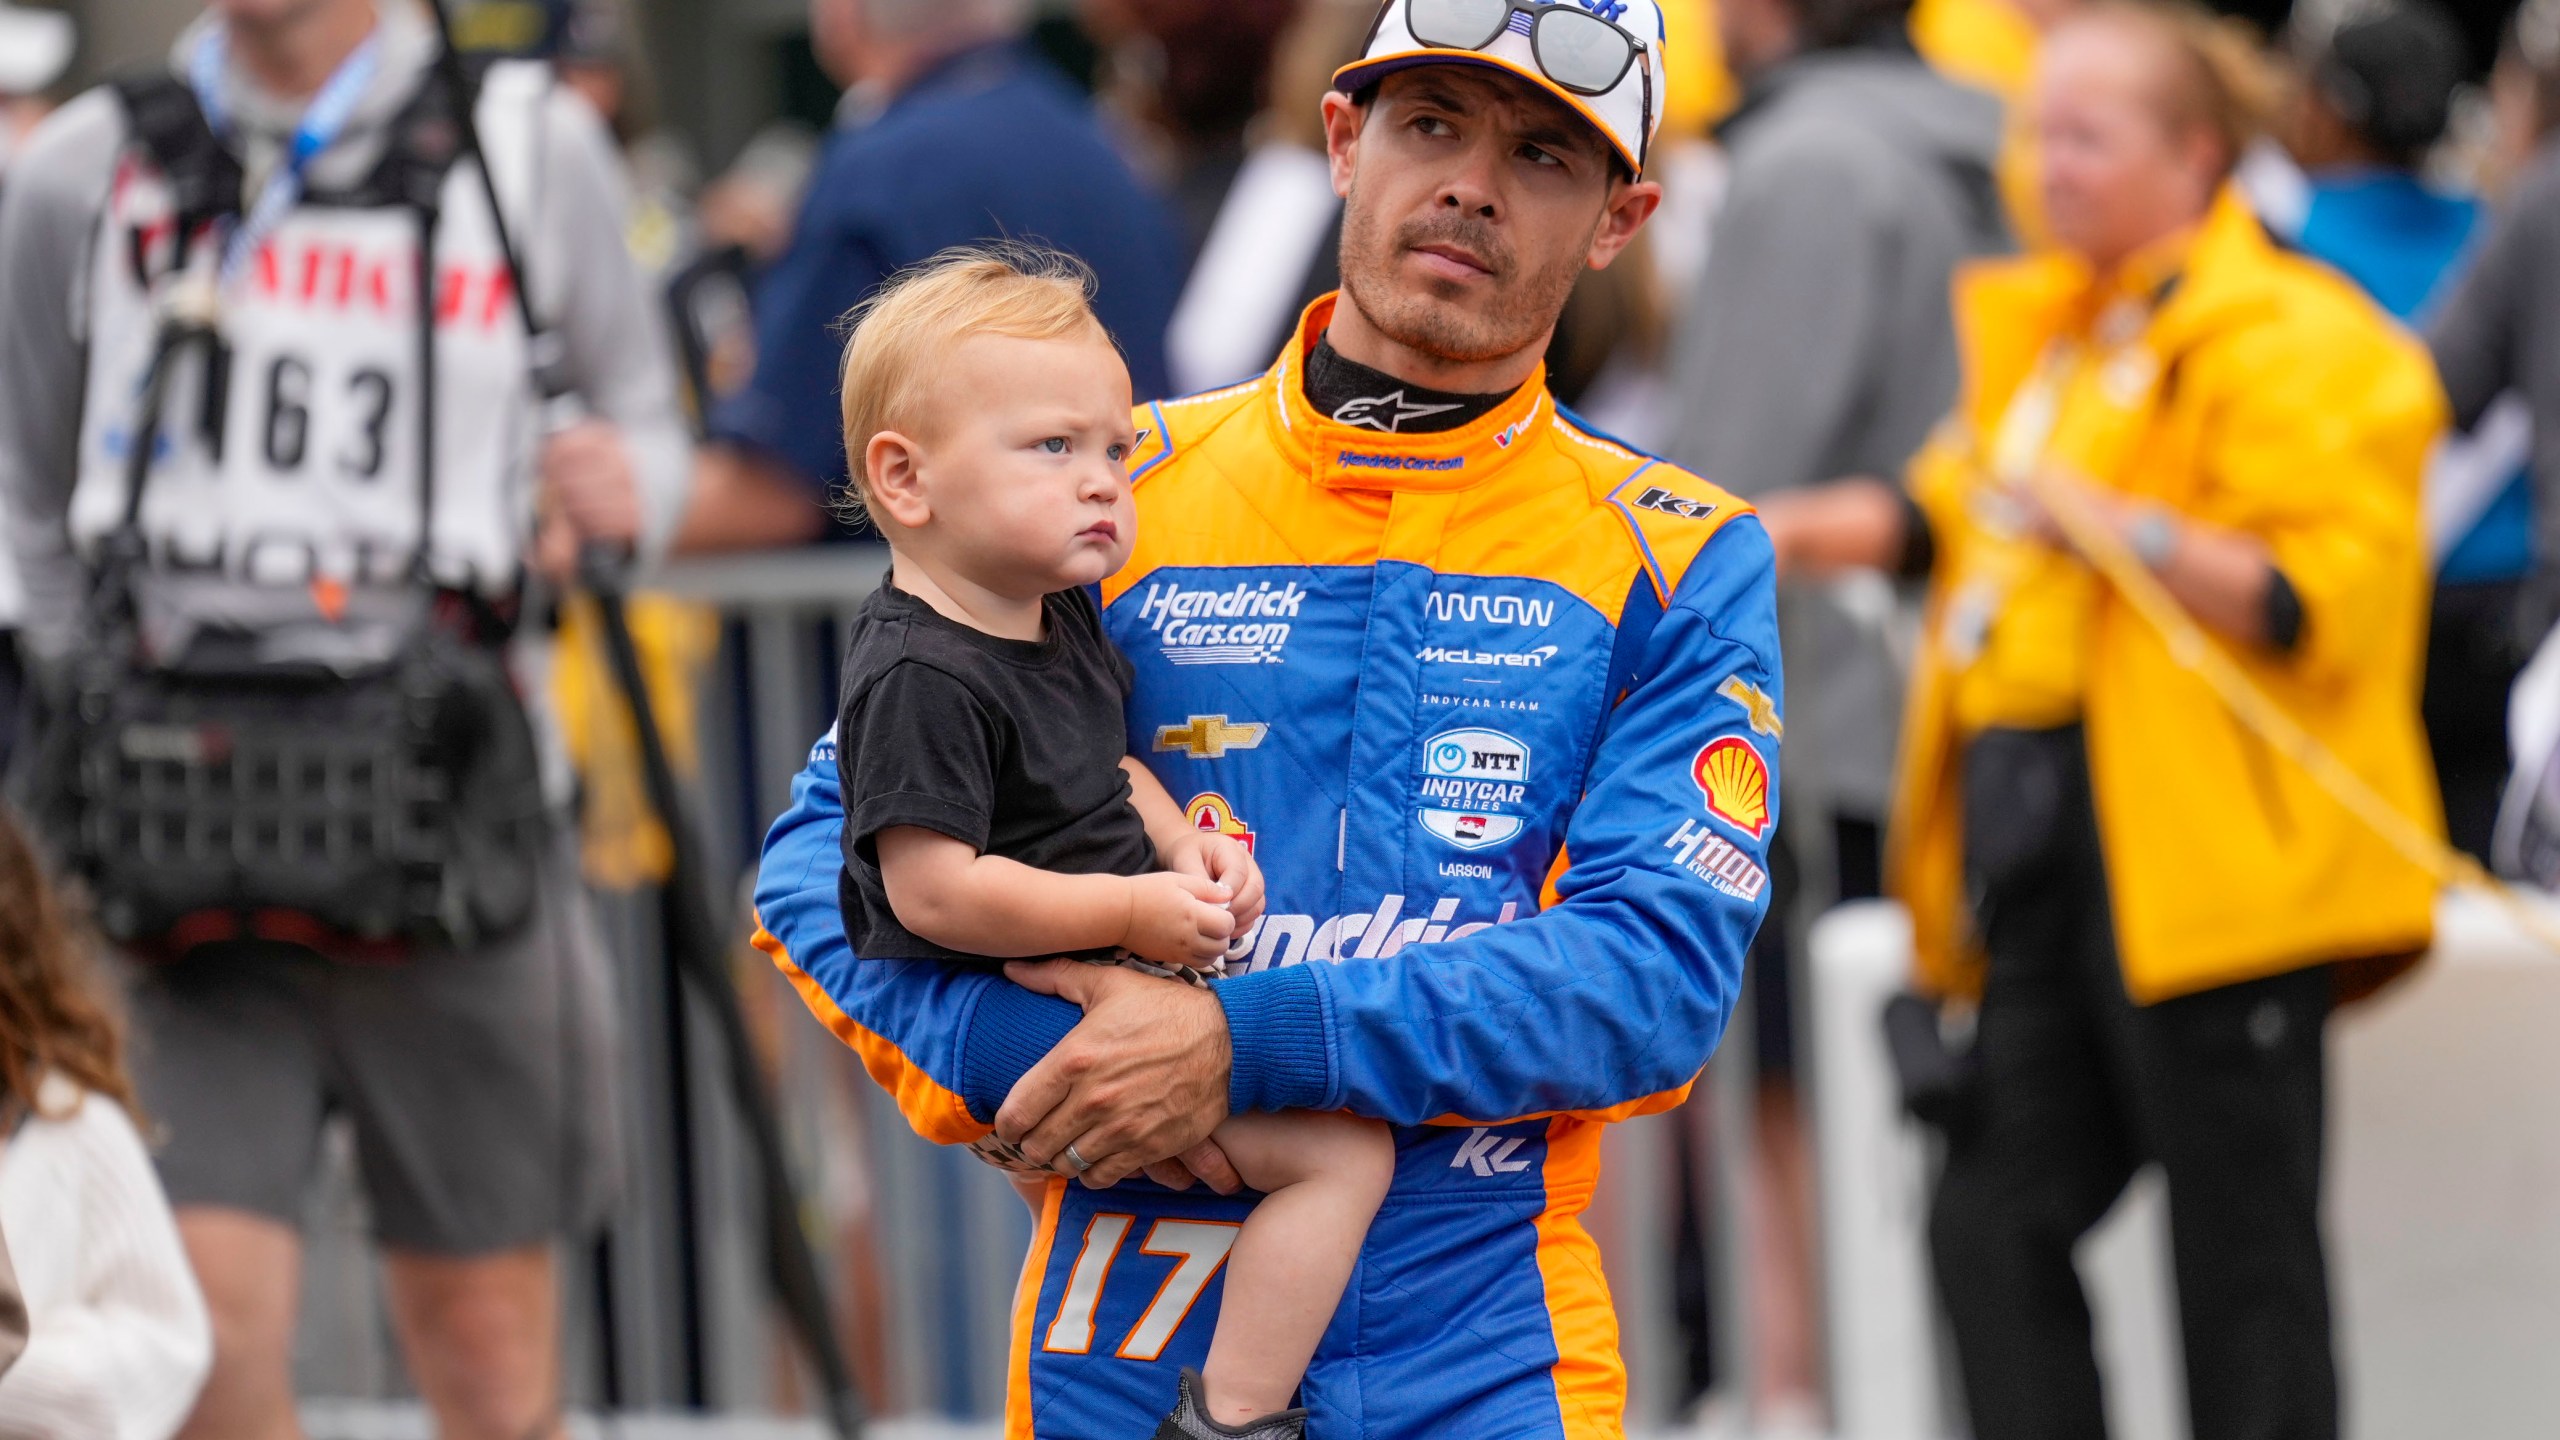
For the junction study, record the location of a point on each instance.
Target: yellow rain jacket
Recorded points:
(2254, 391)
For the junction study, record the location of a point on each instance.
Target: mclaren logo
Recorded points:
(1207, 737)
(1462, 655)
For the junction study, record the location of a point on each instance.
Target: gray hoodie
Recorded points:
(2501, 331)
(581, 274)
(1820, 344)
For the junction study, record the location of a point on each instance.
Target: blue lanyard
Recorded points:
(323, 121)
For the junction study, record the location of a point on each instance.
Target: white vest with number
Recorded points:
(307, 463)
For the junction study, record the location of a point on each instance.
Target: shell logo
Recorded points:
(1212, 812)
(1735, 781)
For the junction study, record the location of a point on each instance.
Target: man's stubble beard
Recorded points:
(1521, 310)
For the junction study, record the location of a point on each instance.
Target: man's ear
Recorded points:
(1343, 117)
(1631, 203)
(893, 480)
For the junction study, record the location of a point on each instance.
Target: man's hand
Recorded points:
(1142, 1079)
(589, 492)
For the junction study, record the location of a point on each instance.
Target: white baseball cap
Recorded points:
(35, 48)
(1602, 57)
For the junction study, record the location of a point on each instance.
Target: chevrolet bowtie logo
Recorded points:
(1763, 710)
(1208, 736)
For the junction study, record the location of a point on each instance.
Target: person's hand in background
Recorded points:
(588, 492)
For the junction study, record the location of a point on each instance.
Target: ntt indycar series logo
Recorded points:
(1277, 940)
(1472, 781)
(1239, 625)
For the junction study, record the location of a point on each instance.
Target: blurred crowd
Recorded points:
(1790, 319)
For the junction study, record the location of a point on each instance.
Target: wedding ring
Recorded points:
(1077, 1160)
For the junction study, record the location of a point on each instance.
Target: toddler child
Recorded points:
(991, 808)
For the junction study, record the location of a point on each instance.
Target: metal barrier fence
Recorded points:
(922, 1243)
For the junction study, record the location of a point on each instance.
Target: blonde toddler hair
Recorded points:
(907, 328)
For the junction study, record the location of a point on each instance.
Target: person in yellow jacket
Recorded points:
(2156, 910)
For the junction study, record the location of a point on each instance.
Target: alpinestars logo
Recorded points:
(1388, 412)
(1240, 625)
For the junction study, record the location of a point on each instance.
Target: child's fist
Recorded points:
(1224, 859)
(1178, 919)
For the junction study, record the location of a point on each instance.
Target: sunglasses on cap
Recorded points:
(1574, 47)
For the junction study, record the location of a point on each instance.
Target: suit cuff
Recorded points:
(1010, 1028)
(1276, 1030)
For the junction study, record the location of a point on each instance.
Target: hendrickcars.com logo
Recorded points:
(1356, 460)
(1242, 624)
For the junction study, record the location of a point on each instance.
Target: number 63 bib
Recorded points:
(369, 348)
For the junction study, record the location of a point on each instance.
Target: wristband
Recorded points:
(2153, 537)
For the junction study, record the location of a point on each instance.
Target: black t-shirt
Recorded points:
(1012, 746)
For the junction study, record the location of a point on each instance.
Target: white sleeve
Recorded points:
(122, 1351)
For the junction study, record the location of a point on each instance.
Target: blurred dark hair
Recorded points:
(52, 1017)
(2390, 74)
(1835, 24)
(1216, 57)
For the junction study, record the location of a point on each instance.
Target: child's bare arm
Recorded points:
(943, 890)
(1155, 805)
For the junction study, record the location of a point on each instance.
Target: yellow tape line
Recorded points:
(2192, 649)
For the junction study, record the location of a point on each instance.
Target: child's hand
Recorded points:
(1222, 858)
(1178, 919)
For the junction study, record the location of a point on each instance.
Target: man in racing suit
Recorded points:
(1496, 707)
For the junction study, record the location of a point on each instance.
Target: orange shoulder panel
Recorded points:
(1672, 514)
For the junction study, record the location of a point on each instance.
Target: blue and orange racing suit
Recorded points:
(1497, 711)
